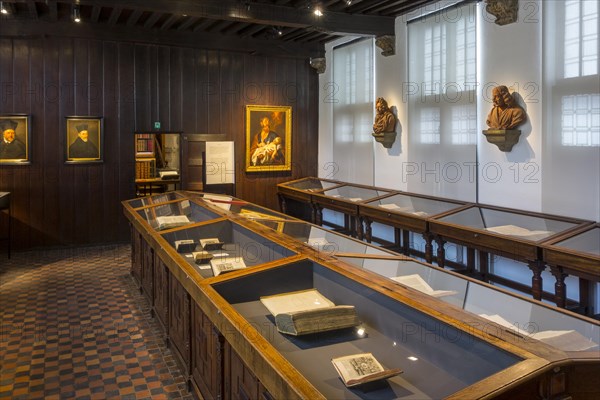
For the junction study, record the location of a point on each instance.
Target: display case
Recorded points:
(154, 199)
(345, 199)
(295, 197)
(173, 214)
(229, 346)
(406, 212)
(515, 234)
(576, 253)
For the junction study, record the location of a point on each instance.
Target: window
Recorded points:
(353, 78)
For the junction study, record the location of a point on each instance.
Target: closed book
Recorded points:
(202, 257)
(318, 320)
(185, 246)
(211, 244)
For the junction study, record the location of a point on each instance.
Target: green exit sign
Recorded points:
(157, 125)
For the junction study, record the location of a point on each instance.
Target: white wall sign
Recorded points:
(220, 163)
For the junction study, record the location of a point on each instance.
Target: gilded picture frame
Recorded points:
(268, 138)
(84, 140)
(15, 139)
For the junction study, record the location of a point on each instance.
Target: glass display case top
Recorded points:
(223, 246)
(516, 225)
(418, 206)
(585, 242)
(354, 193)
(397, 336)
(310, 184)
(526, 318)
(180, 213)
(155, 199)
(325, 241)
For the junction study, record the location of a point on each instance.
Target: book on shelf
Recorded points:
(308, 311)
(361, 368)
(211, 244)
(227, 264)
(513, 230)
(173, 221)
(415, 281)
(185, 245)
(202, 257)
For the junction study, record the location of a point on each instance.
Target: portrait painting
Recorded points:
(83, 140)
(268, 138)
(15, 140)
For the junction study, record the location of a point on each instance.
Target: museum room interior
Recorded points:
(281, 199)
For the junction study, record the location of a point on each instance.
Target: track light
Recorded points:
(3, 10)
(76, 14)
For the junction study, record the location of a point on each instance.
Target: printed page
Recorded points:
(295, 301)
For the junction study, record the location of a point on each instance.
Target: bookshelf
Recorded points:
(156, 154)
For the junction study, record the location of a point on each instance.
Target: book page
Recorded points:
(355, 199)
(171, 221)
(219, 200)
(500, 321)
(513, 230)
(415, 281)
(227, 264)
(569, 340)
(295, 301)
(394, 207)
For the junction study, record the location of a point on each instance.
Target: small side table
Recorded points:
(5, 206)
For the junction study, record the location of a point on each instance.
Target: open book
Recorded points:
(227, 264)
(416, 282)
(308, 311)
(361, 368)
(513, 230)
(171, 221)
(211, 244)
(566, 340)
(321, 244)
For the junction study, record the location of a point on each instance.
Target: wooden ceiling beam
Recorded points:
(33, 10)
(114, 16)
(189, 21)
(265, 14)
(137, 34)
(95, 13)
(134, 17)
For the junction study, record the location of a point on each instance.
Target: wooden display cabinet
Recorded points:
(160, 308)
(147, 272)
(179, 324)
(207, 357)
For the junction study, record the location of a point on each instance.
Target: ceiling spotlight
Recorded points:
(318, 12)
(3, 10)
(76, 14)
(279, 31)
(348, 2)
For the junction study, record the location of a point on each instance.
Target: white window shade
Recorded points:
(442, 122)
(353, 110)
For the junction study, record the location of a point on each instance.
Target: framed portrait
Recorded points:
(268, 138)
(84, 140)
(15, 140)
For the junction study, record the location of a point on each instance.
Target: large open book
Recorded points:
(173, 221)
(308, 311)
(513, 230)
(416, 282)
(361, 368)
(227, 264)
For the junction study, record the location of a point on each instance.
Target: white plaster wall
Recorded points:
(511, 55)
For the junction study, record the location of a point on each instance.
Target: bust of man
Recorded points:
(385, 120)
(506, 113)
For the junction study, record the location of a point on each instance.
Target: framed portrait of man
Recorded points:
(15, 139)
(83, 140)
(268, 138)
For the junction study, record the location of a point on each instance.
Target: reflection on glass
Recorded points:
(587, 242)
(354, 193)
(413, 205)
(310, 184)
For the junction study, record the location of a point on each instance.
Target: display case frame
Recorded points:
(564, 261)
(274, 374)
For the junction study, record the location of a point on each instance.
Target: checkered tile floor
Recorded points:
(74, 325)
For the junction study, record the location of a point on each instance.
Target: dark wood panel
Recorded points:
(131, 85)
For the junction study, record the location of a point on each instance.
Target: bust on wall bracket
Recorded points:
(387, 44)
(504, 117)
(505, 11)
(384, 127)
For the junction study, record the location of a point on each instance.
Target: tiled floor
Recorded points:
(73, 325)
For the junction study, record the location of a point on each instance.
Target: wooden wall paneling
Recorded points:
(143, 96)
(312, 167)
(66, 172)
(21, 104)
(188, 111)
(36, 204)
(110, 170)
(127, 125)
(203, 91)
(51, 158)
(96, 187)
(153, 94)
(82, 204)
(214, 115)
(175, 90)
(163, 95)
(6, 106)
